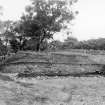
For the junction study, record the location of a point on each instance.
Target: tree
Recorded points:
(10, 37)
(3, 49)
(55, 45)
(15, 45)
(43, 18)
(70, 42)
(6, 31)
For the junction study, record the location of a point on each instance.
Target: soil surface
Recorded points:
(52, 91)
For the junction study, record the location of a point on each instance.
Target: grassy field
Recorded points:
(56, 90)
(61, 62)
(52, 91)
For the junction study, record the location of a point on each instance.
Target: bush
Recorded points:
(3, 49)
(15, 46)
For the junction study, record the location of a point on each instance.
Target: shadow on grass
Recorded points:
(5, 78)
(51, 74)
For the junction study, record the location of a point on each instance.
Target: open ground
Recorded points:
(44, 89)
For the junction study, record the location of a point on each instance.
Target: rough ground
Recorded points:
(55, 90)
(52, 91)
(64, 62)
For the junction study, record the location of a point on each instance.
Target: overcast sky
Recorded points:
(13, 9)
(90, 22)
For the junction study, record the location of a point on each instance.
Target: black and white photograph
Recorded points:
(52, 52)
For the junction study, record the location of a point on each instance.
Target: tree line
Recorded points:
(73, 43)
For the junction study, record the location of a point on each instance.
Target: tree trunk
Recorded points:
(38, 47)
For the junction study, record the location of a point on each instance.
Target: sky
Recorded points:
(13, 9)
(89, 23)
